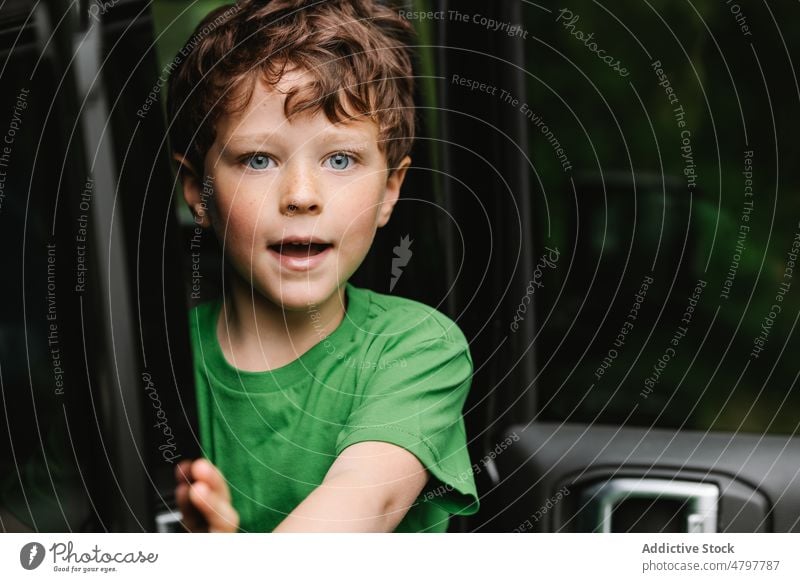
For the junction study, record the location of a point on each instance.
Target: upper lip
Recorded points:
(299, 239)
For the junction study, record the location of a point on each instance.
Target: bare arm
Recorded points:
(369, 488)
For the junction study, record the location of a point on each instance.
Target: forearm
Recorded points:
(345, 505)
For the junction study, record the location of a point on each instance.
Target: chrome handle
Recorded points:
(169, 522)
(702, 500)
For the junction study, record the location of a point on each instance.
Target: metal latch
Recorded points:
(169, 522)
(701, 500)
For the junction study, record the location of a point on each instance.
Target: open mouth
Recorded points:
(300, 250)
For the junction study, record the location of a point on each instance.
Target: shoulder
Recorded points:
(400, 319)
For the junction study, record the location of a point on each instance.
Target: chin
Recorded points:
(302, 295)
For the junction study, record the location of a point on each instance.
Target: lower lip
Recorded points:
(301, 263)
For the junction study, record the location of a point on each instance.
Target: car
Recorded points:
(601, 197)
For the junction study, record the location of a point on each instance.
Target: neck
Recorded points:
(257, 335)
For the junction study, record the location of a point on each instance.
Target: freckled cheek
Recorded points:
(242, 224)
(360, 229)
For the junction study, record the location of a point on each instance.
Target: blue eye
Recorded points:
(340, 161)
(258, 162)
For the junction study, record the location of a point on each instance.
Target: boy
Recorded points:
(322, 407)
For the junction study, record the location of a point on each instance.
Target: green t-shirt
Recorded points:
(394, 370)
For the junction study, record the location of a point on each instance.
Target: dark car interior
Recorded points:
(618, 250)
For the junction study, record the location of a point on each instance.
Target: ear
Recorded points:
(392, 192)
(192, 190)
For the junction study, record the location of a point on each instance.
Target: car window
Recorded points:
(673, 302)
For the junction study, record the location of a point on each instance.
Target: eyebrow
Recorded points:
(354, 136)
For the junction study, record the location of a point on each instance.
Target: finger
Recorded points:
(191, 518)
(219, 514)
(183, 471)
(182, 498)
(203, 470)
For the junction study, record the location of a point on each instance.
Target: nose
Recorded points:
(299, 193)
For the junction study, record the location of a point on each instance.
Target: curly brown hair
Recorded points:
(356, 51)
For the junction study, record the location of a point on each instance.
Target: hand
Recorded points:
(203, 498)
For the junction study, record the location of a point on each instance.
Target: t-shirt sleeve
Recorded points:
(414, 393)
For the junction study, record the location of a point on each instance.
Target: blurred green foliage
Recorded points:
(735, 89)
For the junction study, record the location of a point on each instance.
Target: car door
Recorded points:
(628, 225)
(97, 386)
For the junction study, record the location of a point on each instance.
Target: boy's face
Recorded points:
(279, 185)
